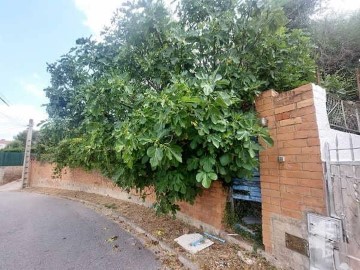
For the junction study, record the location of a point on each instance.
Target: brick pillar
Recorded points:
(296, 186)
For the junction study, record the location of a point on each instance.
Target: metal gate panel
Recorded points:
(343, 191)
(325, 234)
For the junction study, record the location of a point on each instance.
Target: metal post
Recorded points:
(318, 77)
(337, 148)
(357, 117)
(351, 148)
(343, 112)
(328, 180)
(358, 80)
(26, 164)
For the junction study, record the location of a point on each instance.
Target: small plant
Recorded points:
(110, 206)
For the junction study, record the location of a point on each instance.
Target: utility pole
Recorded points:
(26, 164)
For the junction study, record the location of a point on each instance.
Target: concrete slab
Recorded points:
(193, 242)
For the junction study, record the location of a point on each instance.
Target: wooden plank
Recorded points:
(246, 188)
(247, 198)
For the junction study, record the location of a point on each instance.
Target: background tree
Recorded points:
(337, 37)
(299, 12)
(19, 142)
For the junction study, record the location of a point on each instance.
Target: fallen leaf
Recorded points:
(112, 239)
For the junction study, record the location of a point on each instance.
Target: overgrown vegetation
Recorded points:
(337, 37)
(167, 100)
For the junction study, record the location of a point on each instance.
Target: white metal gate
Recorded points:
(343, 194)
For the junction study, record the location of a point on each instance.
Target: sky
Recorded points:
(36, 32)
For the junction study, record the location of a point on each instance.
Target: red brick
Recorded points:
(291, 166)
(285, 137)
(286, 108)
(291, 174)
(316, 202)
(305, 103)
(303, 89)
(265, 113)
(274, 186)
(312, 167)
(290, 204)
(275, 201)
(269, 93)
(266, 216)
(270, 179)
(266, 199)
(266, 239)
(259, 102)
(319, 210)
(290, 151)
(303, 112)
(310, 150)
(289, 181)
(307, 95)
(265, 172)
(309, 118)
(270, 192)
(313, 183)
(306, 134)
(290, 158)
(308, 158)
(292, 196)
(273, 172)
(298, 189)
(290, 121)
(282, 116)
(267, 106)
(270, 151)
(271, 208)
(298, 174)
(291, 213)
(317, 192)
(268, 100)
(268, 165)
(286, 129)
(264, 185)
(295, 143)
(274, 158)
(313, 141)
(307, 126)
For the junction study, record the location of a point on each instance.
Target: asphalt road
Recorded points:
(43, 232)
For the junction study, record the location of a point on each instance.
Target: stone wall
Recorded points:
(295, 186)
(10, 173)
(207, 211)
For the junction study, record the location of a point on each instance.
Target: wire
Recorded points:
(4, 99)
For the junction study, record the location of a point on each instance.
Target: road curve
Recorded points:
(43, 232)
